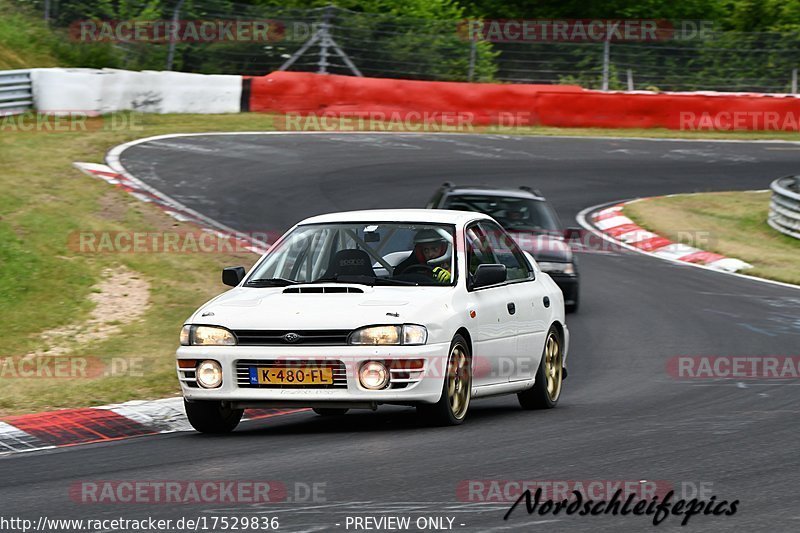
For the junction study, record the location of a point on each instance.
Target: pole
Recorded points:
(794, 81)
(606, 60)
(176, 13)
(325, 41)
(47, 11)
(630, 79)
(473, 53)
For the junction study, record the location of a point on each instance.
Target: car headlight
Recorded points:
(206, 336)
(557, 268)
(209, 374)
(407, 334)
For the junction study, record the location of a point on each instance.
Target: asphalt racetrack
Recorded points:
(622, 415)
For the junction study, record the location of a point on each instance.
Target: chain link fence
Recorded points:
(339, 41)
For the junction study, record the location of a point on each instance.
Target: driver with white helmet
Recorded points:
(432, 252)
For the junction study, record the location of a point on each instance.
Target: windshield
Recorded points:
(523, 214)
(369, 253)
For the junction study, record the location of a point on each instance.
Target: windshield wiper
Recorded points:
(270, 282)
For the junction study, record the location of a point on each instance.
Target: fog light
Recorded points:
(209, 374)
(373, 375)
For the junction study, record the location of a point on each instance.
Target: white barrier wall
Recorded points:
(92, 91)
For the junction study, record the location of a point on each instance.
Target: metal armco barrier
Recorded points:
(16, 92)
(784, 209)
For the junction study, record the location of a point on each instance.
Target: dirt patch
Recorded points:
(112, 207)
(121, 297)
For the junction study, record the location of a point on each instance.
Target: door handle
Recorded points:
(511, 308)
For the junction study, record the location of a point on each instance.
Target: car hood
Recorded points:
(543, 247)
(273, 308)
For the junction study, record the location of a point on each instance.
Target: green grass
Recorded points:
(25, 42)
(44, 284)
(729, 223)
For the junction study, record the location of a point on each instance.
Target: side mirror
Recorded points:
(232, 276)
(573, 234)
(487, 275)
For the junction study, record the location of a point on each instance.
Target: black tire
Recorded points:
(546, 392)
(212, 416)
(329, 411)
(452, 407)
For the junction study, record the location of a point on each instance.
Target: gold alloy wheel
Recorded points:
(553, 368)
(459, 382)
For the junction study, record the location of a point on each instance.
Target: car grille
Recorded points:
(311, 337)
(188, 376)
(243, 373)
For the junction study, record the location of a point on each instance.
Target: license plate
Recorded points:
(291, 376)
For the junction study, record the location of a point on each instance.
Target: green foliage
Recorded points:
(421, 39)
(27, 42)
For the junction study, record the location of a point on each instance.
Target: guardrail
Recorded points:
(16, 92)
(784, 209)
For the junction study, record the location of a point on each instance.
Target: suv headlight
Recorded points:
(206, 336)
(557, 268)
(407, 335)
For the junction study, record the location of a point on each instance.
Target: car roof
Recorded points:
(492, 191)
(434, 216)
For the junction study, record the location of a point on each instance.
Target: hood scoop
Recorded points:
(322, 290)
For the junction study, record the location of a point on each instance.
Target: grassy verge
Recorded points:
(729, 223)
(44, 284)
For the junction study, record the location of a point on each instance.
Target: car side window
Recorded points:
(506, 251)
(479, 252)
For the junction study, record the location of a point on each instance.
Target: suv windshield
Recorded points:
(512, 213)
(403, 254)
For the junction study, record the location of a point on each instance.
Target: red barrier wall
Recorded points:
(547, 105)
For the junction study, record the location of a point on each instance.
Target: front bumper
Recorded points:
(427, 390)
(569, 284)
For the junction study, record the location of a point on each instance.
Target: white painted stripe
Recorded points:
(613, 222)
(729, 264)
(164, 415)
(13, 440)
(97, 167)
(636, 236)
(615, 209)
(676, 251)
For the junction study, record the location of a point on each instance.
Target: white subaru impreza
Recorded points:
(354, 310)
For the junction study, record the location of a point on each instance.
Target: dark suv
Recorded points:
(527, 216)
